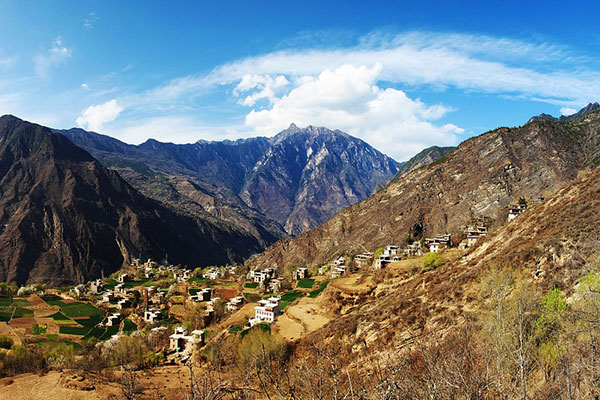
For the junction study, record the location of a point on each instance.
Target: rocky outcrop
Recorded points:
(65, 218)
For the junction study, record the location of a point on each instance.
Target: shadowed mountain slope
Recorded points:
(64, 217)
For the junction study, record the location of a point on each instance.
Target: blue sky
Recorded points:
(400, 75)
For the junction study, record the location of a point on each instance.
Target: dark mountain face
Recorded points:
(296, 180)
(64, 217)
(480, 177)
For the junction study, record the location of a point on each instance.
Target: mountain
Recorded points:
(567, 118)
(294, 181)
(424, 158)
(65, 218)
(553, 243)
(480, 177)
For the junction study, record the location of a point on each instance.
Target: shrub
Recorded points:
(432, 261)
(259, 348)
(5, 342)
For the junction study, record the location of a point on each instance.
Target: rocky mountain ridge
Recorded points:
(297, 179)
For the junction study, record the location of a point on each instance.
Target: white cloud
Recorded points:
(85, 86)
(266, 84)
(55, 56)
(349, 99)
(7, 62)
(90, 20)
(355, 89)
(94, 117)
(472, 62)
(567, 111)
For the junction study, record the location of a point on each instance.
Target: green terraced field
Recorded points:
(318, 291)
(306, 283)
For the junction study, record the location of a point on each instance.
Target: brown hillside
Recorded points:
(480, 178)
(552, 242)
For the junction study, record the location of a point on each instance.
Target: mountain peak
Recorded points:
(567, 118)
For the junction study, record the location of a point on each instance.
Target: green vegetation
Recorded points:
(111, 330)
(318, 291)
(6, 301)
(73, 330)
(53, 301)
(250, 285)
(129, 326)
(177, 299)
(22, 313)
(251, 297)
(262, 327)
(5, 342)
(59, 317)
(432, 261)
(306, 283)
(290, 297)
(377, 253)
(21, 303)
(235, 328)
(39, 329)
(94, 333)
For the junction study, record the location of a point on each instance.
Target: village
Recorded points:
(182, 310)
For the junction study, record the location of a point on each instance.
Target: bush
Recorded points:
(5, 342)
(259, 348)
(432, 261)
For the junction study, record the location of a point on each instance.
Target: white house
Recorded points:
(202, 295)
(364, 259)
(390, 250)
(382, 261)
(515, 210)
(413, 249)
(301, 273)
(439, 242)
(113, 319)
(151, 316)
(338, 271)
(181, 342)
(97, 286)
(267, 310)
(123, 303)
(234, 303)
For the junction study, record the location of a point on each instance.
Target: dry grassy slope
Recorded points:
(481, 177)
(557, 236)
